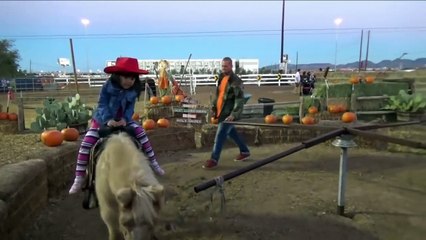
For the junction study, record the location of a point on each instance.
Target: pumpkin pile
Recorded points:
(8, 116)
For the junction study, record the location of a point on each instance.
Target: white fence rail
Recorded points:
(196, 80)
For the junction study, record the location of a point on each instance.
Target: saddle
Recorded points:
(90, 200)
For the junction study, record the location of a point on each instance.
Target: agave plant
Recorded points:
(60, 115)
(404, 102)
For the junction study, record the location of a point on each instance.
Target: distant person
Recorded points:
(297, 81)
(115, 108)
(227, 107)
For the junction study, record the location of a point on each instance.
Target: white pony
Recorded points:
(129, 195)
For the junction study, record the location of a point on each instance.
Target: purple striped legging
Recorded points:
(92, 136)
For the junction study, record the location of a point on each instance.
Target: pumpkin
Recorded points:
(153, 100)
(52, 138)
(214, 120)
(307, 120)
(13, 116)
(166, 100)
(70, 134)
(354, 80)
(179, 98)
(313, 110)
(3, 116)
(135, 117)
(287, 119)
(163, 123)
(341, 108)
(270, 119)
(348, 117)
(333, 108)
(369, 79)
(148, 124)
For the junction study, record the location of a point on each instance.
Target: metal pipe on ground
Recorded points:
(303, 145)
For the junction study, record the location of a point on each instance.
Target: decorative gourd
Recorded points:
(166, 100)
(13, 116)
(3, 116)
(348, 117)
(287, 119)
(163, 123)
(52, 138)
(270, 119)
(148, 124)
(70, 134)
(153, 100)
(307, 120)
(313, 110)
(179, 98)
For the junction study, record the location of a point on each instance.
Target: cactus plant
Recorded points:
(59, 115)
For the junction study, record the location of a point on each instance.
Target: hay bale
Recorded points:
(8, 127)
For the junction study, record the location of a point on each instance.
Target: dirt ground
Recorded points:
(292, 198)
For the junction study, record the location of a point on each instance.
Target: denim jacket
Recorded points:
(111, 99)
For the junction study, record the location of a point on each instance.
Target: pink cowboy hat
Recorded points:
(125, 65)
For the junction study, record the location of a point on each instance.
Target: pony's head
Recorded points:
(139, 210)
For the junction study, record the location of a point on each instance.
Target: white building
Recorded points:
(197, 66)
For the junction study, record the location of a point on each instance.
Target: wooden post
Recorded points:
(353, 103)
(73, 65)
(301, 109)
(21, 114)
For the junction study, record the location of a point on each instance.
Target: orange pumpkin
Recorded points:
(348, 117)
(13, 116)
(70, 134)
(333, 108)
(313, 110)
(166, 100)
(179, 98)
(163, 123)
(52, 138)
(369, 79)
(270, 119)
(354, 80)
(214, 120)
(3, 116)
(341, 107)
(153, 100)
(307, 120)
(148, 124)
(287, 119)
(135, 117)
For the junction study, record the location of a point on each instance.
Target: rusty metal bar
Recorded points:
(257, 164)
(377, 126)
(292, 126)
(376, 136)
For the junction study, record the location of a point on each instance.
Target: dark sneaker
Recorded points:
(209, 164)
(242, 157)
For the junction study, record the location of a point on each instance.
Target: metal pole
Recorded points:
(342, 181)
(73, 65)
(366, 56)
(297, 59)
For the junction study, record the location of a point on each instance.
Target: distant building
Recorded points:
(198, 66)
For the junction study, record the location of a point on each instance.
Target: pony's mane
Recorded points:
(141, 176)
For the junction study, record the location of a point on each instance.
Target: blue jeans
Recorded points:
(223, 131)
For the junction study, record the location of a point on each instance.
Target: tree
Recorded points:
(9, 58)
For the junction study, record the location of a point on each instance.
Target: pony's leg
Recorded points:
(147, 148)
(89, 140)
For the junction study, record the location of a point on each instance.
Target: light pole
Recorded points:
(86, 23)
(400, 61)
(337, 22)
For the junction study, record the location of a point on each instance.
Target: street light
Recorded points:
(86, 23)
(400, 60)
(337, 22)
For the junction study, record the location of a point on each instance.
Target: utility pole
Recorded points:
(282, 37)
(360, 53)
(366, 56)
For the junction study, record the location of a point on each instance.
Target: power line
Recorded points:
(257, 32)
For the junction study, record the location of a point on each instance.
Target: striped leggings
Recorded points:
(92, 136)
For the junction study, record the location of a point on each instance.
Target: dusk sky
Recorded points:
(210, 29)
